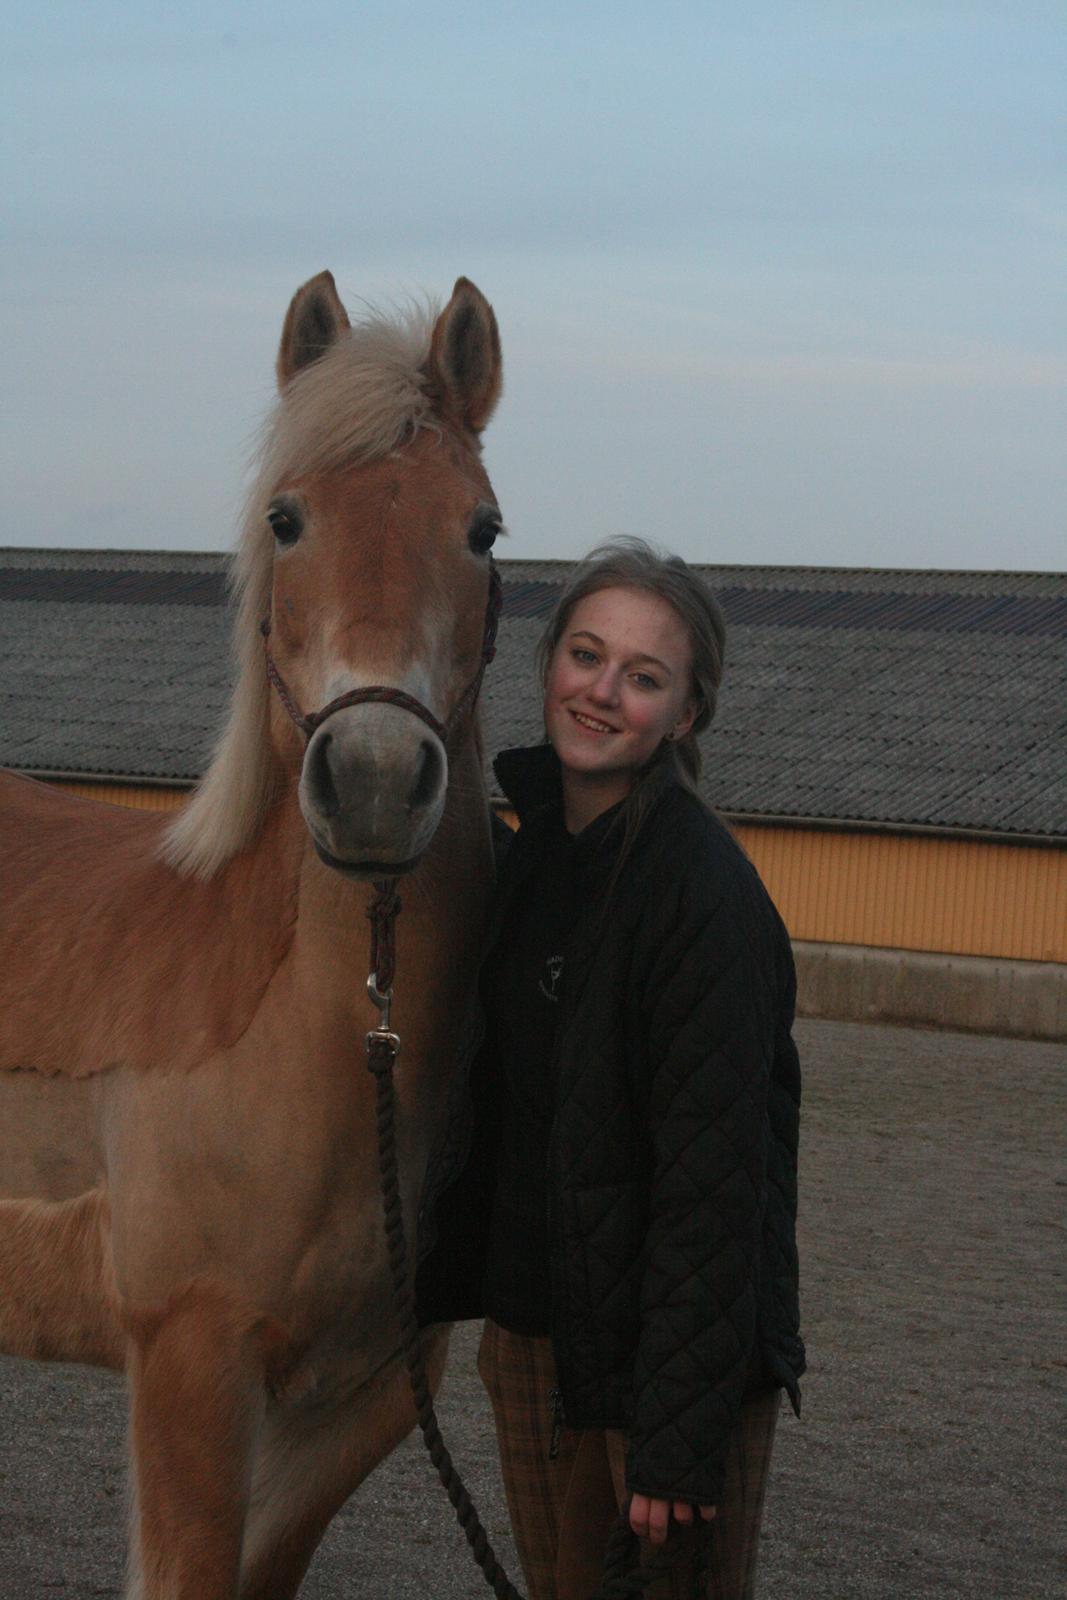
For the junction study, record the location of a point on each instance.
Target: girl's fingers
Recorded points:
(639, 1504)
(650, 1518)
(659, 1515)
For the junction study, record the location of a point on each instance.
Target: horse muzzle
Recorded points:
(372, 790)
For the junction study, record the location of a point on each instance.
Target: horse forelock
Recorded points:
(355, 404)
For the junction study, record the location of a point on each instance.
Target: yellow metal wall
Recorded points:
(961, 897)
(143, 797)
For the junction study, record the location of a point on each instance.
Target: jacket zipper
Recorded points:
(555, 1401)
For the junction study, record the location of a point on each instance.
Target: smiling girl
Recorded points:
(626, 1220)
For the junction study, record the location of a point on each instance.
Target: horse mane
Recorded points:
(353, 404)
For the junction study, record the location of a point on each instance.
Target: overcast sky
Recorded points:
(776, 282)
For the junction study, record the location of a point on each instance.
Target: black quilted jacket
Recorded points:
(672, 1166)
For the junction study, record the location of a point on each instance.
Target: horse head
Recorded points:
(366, 561)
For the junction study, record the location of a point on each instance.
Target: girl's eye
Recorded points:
(645, 681)
(585, 657)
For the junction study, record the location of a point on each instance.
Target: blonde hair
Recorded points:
(357, 402)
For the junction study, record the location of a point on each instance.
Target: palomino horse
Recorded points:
(186, 1118)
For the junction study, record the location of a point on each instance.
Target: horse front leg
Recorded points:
(307, 1466)
(198, 1374)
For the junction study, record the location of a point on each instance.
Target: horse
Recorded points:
(186, 1119)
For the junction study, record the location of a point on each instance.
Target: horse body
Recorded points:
(188, 1123)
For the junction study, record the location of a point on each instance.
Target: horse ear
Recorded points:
(314, 321)
(464, 370)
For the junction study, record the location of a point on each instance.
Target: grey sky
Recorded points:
(776, 284)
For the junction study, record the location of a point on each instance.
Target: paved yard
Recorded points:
(931, 1460)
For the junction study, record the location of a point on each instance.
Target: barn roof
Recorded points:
(883, 698)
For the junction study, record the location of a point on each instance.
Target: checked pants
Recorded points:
(564, 1508)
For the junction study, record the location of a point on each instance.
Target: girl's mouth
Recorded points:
(591, 723)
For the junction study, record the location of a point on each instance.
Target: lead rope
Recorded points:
(383, 1047)
(623, 1574)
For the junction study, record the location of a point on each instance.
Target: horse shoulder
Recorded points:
(110, 959)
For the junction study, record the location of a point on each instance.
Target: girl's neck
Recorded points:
(587, 797)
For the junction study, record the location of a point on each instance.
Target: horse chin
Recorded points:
(363, 854)
(365, 870)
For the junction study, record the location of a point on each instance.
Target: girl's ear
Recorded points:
(685, 722)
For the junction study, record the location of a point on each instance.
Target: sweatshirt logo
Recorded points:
(549, 984)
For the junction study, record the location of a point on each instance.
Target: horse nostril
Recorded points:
(428, 774)
(320, 779)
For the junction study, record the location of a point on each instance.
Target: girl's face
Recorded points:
(619, 683)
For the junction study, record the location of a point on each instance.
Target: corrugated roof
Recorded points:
(797, 607)
(926, 699)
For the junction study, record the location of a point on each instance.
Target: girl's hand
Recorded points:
(650, 1518)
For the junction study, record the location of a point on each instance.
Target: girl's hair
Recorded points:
(628, 563)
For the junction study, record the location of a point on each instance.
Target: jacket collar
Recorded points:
(531, 780)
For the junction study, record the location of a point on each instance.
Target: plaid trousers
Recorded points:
(563, 1508)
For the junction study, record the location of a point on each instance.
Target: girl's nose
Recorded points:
(605, 688)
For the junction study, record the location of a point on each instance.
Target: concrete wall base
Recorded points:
(855, 983)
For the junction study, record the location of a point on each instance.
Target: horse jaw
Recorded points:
(372, 790)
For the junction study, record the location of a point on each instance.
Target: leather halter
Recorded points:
(385, 906)
(309, 721)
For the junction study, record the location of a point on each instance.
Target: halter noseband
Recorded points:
(308, 722)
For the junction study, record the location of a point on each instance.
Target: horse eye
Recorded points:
(482, 536)
(284, 526)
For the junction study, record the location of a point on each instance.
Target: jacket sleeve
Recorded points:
(711, 1006)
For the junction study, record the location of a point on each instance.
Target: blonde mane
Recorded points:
(355, 403)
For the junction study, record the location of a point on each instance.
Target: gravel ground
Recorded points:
(930, 1460)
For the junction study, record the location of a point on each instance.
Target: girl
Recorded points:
(626, 1218)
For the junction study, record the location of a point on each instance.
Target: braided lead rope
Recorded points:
(381, 1053)
(625, 1576)
(382, 914)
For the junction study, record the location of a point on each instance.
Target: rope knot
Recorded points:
(382, 914)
